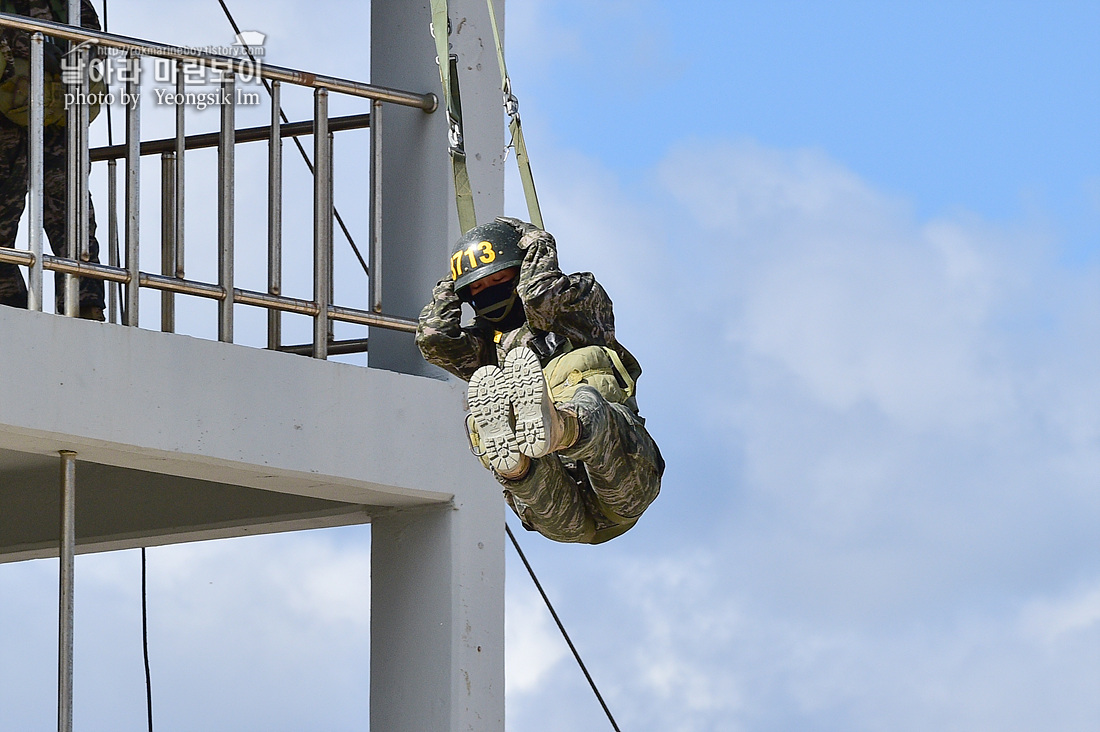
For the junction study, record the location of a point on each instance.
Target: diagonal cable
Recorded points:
(561, 627)
(297, 142)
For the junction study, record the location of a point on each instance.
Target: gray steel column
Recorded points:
(375, 255)
(34, 163)
(275, 217)
(226, 143)
(66, 593)
(322, 221)
(168, 238)
(133, 195)
(418, 211)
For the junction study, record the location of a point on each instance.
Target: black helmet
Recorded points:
(482, 251)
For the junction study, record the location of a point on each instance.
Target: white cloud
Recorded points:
(835, 284)
(910, 463)
(533, 645)
(1071, 617)
(270, 631)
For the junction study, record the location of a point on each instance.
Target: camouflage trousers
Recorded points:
(596, 489)
(13, 194)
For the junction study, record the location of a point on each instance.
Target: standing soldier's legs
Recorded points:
(549, 501)
(53, 213)
(623, 462)
(13, 193)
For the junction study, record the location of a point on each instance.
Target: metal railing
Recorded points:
(171, 280)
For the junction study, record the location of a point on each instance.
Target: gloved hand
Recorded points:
(444, 312)
(522, 227)
(444, 290)
(541, 255)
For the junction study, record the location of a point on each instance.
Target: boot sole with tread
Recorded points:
(531, 401)
(487, 397)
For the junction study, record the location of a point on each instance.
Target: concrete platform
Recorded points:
(179, 438)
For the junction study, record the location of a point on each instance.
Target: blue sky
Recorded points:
(856, 247)
(922, 100)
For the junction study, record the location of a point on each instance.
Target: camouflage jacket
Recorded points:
(560, 308)
(19, 42)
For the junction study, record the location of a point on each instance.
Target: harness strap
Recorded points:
(511, 106)
(448, 76)
(628, 382)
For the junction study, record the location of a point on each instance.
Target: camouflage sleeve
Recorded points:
(88, 16)
(444, 342)
(20, 41)
(575, 306)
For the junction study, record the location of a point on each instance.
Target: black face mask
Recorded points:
(500, 306)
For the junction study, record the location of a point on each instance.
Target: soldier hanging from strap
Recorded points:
(553, 412)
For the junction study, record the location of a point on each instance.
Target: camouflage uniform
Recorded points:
(597, 488)
(14, 178)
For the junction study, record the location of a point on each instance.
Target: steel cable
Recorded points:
(561, 627)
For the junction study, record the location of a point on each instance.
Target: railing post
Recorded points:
(133, 190)
(71, 294)
(67, 554)
(34, 163)
(181, 89)
(375, 256)
(330, 234)
(322, 221)
(112, 236)
(82, 252)
(226, 142)
(168, 238)
(275, 218)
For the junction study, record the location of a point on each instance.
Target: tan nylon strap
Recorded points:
(448, 76)
(511, 105)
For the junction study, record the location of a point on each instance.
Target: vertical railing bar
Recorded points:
(322, 221)
(66, 592)
(181, 89)
(133, 189)
(70, 296)
(112, 236)
(375, 255)
(34, 163)
(167, 238)
(226, 142)
(83, 196)
(330, 229)
(275, 217)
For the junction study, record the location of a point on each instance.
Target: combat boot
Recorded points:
(491, 409)
(541, 427)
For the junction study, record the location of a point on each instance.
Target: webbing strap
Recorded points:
(511, 106)
(448, 76)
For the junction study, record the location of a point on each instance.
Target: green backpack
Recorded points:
(15, 90)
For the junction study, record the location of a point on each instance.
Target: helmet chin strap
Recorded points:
(504, 307)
